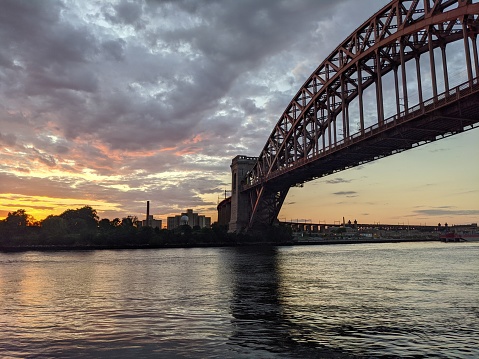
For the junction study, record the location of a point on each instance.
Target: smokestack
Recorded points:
(147, 213)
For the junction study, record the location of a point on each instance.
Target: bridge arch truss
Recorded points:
(328, 113)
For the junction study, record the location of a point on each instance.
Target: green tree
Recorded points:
(81, 219)
(54, 226)
(130, 221)
(105, 224)
(18, 226)
(18, 219)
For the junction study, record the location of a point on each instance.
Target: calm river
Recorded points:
(404, 300)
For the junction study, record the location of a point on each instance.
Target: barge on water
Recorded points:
(462, 233)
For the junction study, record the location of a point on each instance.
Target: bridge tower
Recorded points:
(240, 207)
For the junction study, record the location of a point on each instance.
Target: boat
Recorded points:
(461, 233)
(451, 237)
(459, 237)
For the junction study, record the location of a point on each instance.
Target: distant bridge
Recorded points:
(326, 127)
(302, 226)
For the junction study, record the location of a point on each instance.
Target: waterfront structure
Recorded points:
(190, 218)
(325, 128)
(224, 212)
(152, 222)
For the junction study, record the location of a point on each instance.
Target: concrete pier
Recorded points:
(240, 207)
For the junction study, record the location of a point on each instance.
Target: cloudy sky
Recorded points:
(113, 103)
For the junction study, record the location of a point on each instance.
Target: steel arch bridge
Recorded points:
(400, 50)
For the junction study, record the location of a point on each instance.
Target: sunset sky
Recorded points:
(113, 103)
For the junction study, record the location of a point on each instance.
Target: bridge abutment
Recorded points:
(240, 208)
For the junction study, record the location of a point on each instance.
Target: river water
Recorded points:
(404, 300)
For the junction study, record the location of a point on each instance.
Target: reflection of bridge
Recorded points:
(366, 82)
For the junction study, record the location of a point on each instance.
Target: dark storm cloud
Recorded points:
(133, 95)
(28, 19)
(127, 13)
(114, 49)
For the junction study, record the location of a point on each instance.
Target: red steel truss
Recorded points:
(315, 137)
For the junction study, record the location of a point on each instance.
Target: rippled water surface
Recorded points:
(407, 300)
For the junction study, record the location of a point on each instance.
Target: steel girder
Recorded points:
(400, 32)
(266, 202)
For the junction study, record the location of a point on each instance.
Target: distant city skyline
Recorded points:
(112, 104)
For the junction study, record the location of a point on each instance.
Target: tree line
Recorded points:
(83, 227)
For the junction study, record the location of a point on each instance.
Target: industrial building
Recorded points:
(190, 218)
(151, 222)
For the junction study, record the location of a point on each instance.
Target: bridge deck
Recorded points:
(450, 113)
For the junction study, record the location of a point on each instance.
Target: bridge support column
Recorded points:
(240, 206)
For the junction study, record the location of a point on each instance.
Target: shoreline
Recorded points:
(57, 248)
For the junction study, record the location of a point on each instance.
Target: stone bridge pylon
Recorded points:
(240, 209)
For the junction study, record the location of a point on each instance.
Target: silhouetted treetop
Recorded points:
(19, 219)
(81, 218)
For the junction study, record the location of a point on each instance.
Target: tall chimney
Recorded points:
(147, 213)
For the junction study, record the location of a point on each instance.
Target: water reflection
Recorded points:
(250, 302)
(257, 307)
